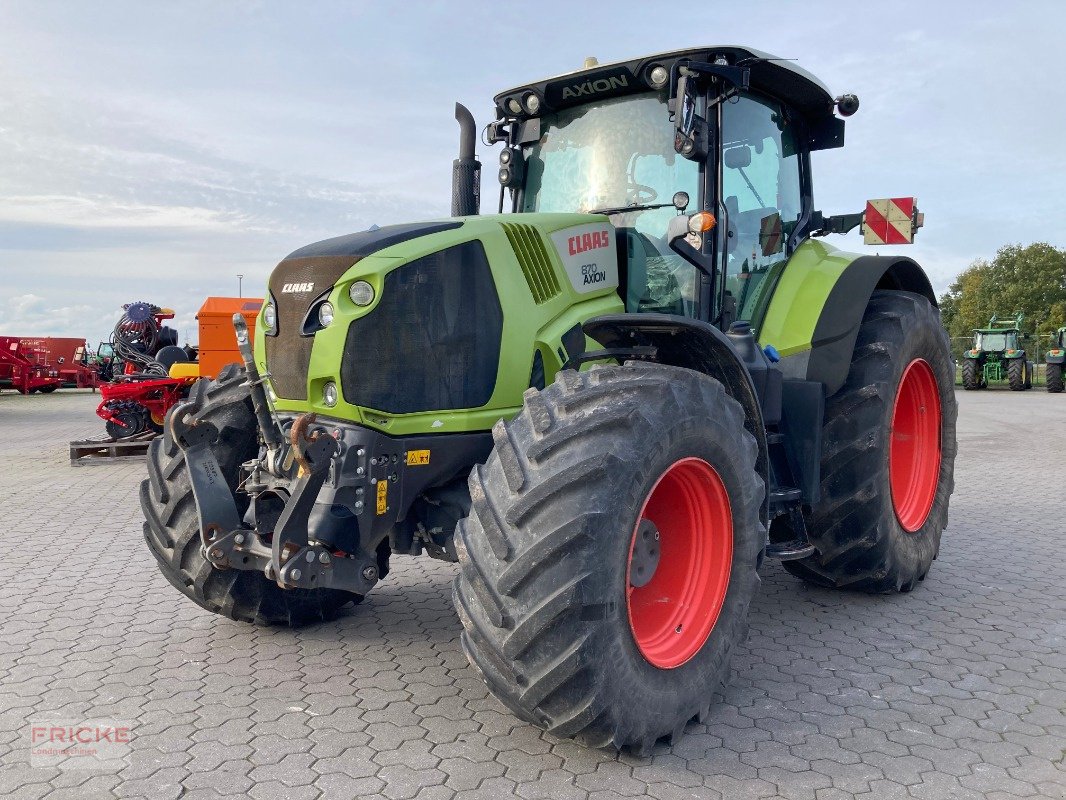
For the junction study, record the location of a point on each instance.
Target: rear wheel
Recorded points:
(1016, 374)
(888, 454)
(610, 554)
(172, 528)
(971, 374)
(47, 389)
(1054, 378)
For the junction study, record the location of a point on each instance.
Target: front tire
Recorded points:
(556, 618)
(1054, 378)
(888, 453)
(971, 375)
(172, 528)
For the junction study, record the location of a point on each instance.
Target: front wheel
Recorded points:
(1054, 378)
(888, 453)
(609, 558)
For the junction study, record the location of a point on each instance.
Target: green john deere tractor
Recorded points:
(997, 354)
(609, 405)
(1053, 361)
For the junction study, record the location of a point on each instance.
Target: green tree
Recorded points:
(1029, 279)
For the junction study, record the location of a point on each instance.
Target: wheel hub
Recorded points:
(677, 583)
(645, 558)
(914, 445)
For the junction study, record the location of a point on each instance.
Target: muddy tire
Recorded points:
(971, 375)
(554, 619)
(1054, 378)
(171, 526)
(1016, 375)
(888, 457)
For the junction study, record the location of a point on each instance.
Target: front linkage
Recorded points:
(322, 499)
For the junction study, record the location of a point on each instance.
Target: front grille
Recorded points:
(288, 353)
(534, 260)
(433, 340)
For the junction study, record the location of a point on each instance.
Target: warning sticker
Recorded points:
(417, 458)
(382, 496)
(890, 221)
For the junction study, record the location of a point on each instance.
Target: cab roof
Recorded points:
(769, 74)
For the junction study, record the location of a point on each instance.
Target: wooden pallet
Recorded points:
(108, 451)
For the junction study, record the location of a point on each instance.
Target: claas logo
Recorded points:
(588, 241)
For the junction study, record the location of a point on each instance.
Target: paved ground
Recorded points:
(957, 690)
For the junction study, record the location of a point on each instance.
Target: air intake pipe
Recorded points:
(466, 170)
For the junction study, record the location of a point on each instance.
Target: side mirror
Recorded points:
(737, 157)
(687, 127)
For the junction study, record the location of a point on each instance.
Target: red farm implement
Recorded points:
(23, 369)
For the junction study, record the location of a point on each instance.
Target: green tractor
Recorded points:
(997, 354)
(610, 405)
(1053, 361)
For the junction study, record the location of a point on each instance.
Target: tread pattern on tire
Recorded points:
(171, 527)
(527, 592)
(1053, 376)
(971, 374)
(860, 544)
(1016, 375)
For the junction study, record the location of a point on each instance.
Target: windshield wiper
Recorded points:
(624, 209)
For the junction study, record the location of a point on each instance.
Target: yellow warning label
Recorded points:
(382, 498)
(417, 458)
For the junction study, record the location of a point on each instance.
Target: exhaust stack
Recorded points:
(466, 170)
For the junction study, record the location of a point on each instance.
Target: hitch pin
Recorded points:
(267, 426)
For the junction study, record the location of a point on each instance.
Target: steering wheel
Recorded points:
(641, 195)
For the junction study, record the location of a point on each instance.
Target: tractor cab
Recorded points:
(720, 136)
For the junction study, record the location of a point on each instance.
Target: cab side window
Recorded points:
(761, 194)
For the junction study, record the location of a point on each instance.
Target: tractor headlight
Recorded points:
(361, 293)
(658, 76)
(532, 103)
(270, 317)
(325, 314)
(329, 394)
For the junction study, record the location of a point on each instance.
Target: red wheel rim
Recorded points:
(672, 615)
(914, 446)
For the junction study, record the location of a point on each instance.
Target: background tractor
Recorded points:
(609, 405)
(997, 354)
(1053, 361)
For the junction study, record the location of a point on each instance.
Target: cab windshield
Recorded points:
(613, 154)
(992, 342)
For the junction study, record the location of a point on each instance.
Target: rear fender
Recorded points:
(1053, 359)
(1017, 355)
(972, 356)
(696, 345)
(814, 316)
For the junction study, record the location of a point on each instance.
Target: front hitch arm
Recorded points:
(290, 560)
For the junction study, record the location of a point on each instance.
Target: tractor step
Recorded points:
(789, 551)
(785, 496)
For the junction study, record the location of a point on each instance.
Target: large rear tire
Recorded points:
(888, 453)
(172, 530)
(572, 614)
(971, 375)
(1054, 378)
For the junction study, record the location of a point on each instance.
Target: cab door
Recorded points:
(762, 199)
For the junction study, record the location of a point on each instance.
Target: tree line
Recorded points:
(1029, 279)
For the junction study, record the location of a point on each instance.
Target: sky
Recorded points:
(155, 150)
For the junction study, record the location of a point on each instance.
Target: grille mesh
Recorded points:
(433, 340)
(533, 257)
(288, 353)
